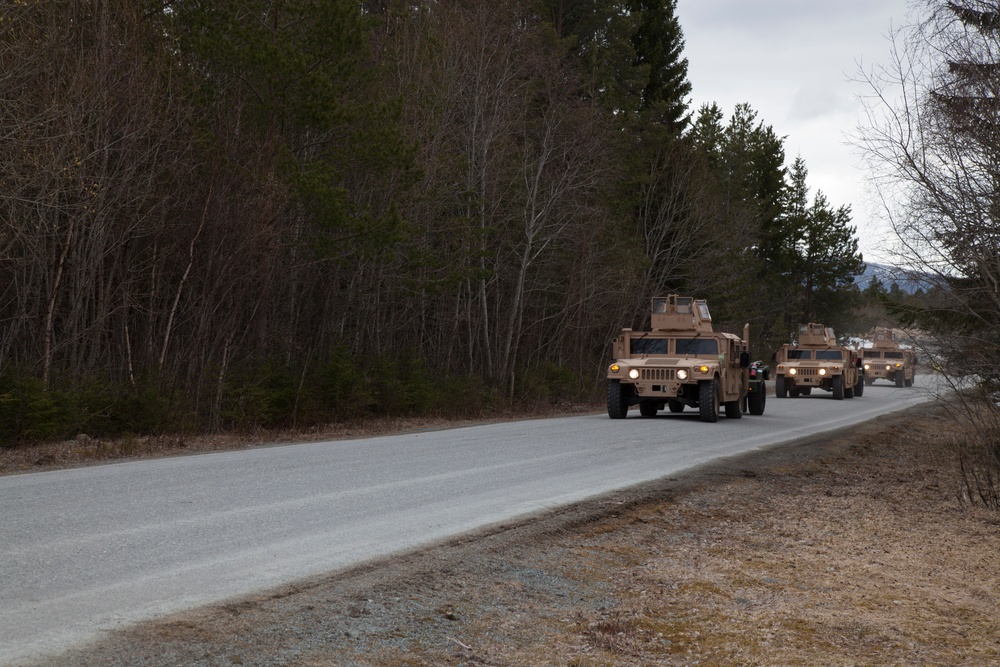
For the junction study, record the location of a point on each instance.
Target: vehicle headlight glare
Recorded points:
(791, 371)
(888, 368)
(867, 366)
(633, 373)
(682, 375)
(822, 371)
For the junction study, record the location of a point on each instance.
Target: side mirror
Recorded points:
(744, 360)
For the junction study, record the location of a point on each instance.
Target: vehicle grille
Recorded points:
(660, 374)
(807, 371)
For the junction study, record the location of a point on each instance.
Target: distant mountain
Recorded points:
(891, 274)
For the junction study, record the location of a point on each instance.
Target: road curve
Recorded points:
(88, 550)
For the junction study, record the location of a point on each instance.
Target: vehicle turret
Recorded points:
(816, 334)
(681, 313)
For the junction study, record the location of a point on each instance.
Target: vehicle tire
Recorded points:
(859, 388)
(908, 383)
(617, 400)
(708, 400)
(779, 387)
(848, 391)
(794, 392)
(733, 410)
(648, 408)
(675, 406)
(899, 380)
(806, 391)
(838, 387)
(757, 399)
(869, 381)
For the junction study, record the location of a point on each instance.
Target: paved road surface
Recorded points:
(92, 549)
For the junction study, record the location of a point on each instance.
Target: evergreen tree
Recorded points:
(659, 44)
(828, 261)
(633, 54)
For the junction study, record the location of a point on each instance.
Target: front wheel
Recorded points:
(859, 388)
(617, 400)
(899, 380)
(708, 400)
(838, 388)
(780, 390)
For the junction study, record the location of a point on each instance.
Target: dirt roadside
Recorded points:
(846, 549)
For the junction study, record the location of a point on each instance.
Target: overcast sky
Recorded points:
(793, 61)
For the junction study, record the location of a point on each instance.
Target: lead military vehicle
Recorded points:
(887, 360)
(682, 363)
(817, 361)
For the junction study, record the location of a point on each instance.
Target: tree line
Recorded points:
(256, 213)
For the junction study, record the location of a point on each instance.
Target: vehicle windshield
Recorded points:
(697, 346)
(799, 354)
(649, 346)
(874, 354)
(829, 354)
(893, 355)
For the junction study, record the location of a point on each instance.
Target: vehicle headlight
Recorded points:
(703, 369)
(615, 368)
(888, 368)
(633, 373)
(867, 366)
(791, 371)
(822, 371)
(682, 374)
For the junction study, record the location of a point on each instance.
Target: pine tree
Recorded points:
(659, 44)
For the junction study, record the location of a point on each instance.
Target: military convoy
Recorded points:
(683, 363)
(887, 360)
(816, 361)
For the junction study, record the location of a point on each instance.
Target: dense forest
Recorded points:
(258, 213)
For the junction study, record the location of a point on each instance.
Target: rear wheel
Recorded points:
(806, 391)
(708, 400)
(780, 390)
(648, 408)
(909, 383)
(899, 379)
(859, 388)
(838, 388)
(675, 406)
(733, 409)
(868, 381)
(617, 400)
(794, 392)
(756, 401)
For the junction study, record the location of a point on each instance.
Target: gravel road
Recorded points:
(848, 548)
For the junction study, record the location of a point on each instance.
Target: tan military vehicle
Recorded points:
(886, 360)
(682, 363)
(816, 361)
